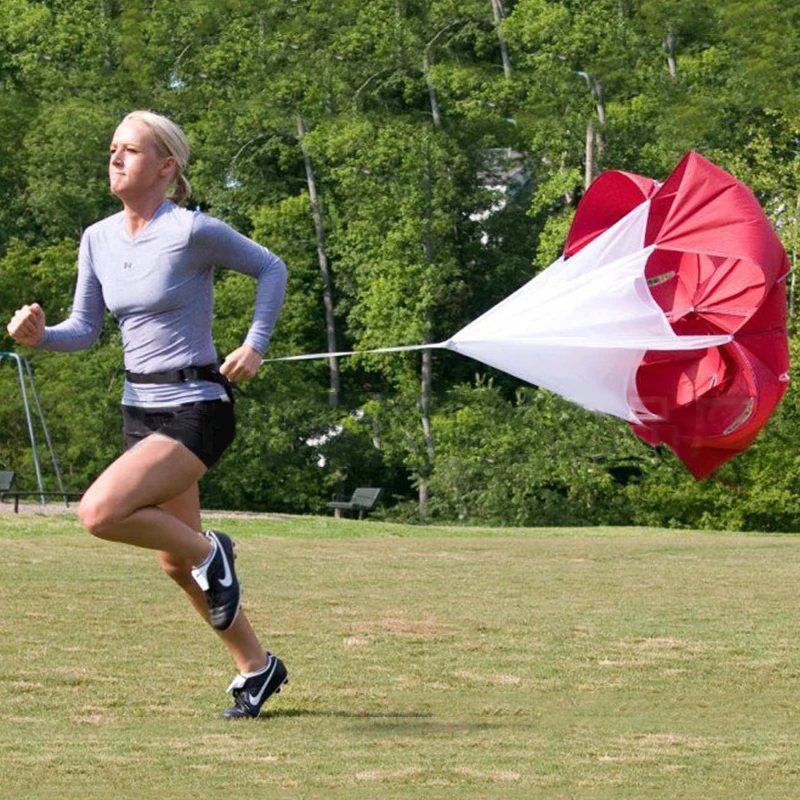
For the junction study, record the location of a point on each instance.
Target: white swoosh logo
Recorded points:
(227, 579)
(255, 699)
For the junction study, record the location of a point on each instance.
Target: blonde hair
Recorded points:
(170, 140)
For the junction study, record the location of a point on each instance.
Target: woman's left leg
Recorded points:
(240, 639)
(122, 505)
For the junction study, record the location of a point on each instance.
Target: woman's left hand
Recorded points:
(241, 364)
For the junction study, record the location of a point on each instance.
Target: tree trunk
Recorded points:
(426, 371)
(598, 150)
(427, 356)
(669, 44)
(594, 141)
(322, 257)
(499, 16)
(427, 432)
(426, 65)
(425, 402)
(597, 94)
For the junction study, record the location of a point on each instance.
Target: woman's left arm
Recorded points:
(226, 247)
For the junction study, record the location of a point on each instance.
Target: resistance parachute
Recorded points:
(667, 309)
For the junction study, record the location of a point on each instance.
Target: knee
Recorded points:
(97, 516)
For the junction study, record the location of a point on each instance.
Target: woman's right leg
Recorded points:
(240, 639)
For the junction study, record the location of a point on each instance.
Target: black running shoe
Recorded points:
(218, 580)
(250, 692)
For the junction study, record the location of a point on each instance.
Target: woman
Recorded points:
(152, 266)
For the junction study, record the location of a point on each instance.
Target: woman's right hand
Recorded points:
(27, 325)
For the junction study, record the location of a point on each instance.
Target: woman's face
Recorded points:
(135, 168)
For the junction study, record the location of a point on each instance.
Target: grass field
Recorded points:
(424, 662)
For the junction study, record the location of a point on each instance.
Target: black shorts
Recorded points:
(207, 427)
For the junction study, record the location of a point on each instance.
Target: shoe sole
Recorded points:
(258, 713)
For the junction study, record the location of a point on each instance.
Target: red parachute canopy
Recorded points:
(717, 267)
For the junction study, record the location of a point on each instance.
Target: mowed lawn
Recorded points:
(424, 663)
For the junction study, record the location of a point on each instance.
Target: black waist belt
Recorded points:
(208, 372)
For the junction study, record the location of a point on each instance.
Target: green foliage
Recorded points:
(536, 461)
(66, 152)
(427, 225)
(273, 464)
(287, 228)
(47, 276)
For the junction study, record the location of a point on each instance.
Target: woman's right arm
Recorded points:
(82, 328)
(27, 325)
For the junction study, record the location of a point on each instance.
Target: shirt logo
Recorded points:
(127, 265)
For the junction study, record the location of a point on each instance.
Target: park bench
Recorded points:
(363, 501)
(7, 481)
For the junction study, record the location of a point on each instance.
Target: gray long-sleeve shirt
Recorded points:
(159, 286)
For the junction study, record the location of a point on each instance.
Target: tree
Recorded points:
(443, 147)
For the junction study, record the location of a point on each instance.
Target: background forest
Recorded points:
(413, 163)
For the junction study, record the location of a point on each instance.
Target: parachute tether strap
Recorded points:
(402, 349)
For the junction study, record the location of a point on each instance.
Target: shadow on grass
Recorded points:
(288, 713)
(401, 722)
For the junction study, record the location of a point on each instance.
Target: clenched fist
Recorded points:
(27, 325)
(241, 364)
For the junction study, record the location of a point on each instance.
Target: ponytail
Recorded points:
(182, 190)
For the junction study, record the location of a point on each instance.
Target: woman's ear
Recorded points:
(168, 167)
